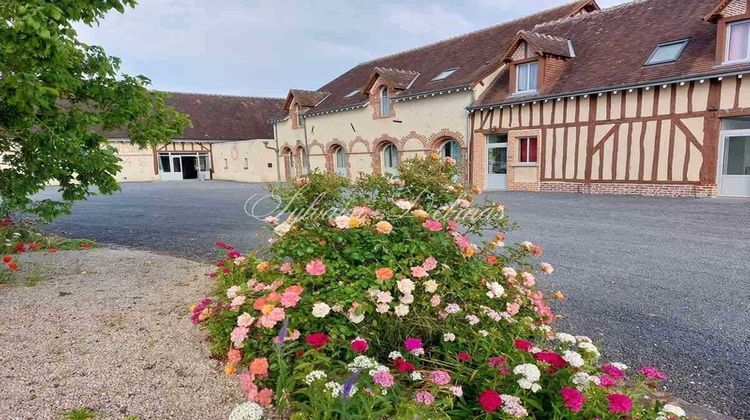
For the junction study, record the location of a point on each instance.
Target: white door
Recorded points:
(170, 167)
(497, 161)
(734, 164)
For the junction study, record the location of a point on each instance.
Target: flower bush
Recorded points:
(378, 300)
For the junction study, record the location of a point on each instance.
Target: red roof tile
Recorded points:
(476, 54)
(220, 117)
(612, 45)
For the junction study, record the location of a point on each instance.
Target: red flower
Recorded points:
(537, 250)
(233, 254)
(490, 400)
(85, 245)
(33, 246)
(20, 248)
(619, 403)
(220, 244)
(573, 399)
(652, 372)
(359, 345)
(612, 371)
(12, 266)
(551, 358)
(523, 345)
(403, 366)
(464, 357)
(52, 250)
(7, 259)
(496, 361)
(317, 340)
(491, 259)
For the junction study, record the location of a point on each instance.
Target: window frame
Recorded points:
(528, 160)
(340, 170)
(394, 158)
(385, 101)
(684, 43)
(297, 115)
(728, 42)
(447, 73)
(352, 93)
(518, 68)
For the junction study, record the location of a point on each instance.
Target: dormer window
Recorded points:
(385, 102)
(526, 77)
(444, 74)
(298, 115)
(352, 93)
(738, 47)
(667, 52)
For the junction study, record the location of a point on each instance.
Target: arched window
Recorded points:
(389, 159)
(289, 164)
(385, 102)
(451, 148)
(303, 161)
(339, 161)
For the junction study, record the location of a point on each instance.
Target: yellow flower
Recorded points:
(354, 222)
(434, 156)
(267, 309)
(263, 266)
(559, 295)
(230, 369)
(420, 214)
(205, 314)
(469, 251)
(383, 227)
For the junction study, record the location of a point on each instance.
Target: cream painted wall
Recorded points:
(137, 164)
(230, 159)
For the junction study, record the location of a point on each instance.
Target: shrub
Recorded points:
(386, 307)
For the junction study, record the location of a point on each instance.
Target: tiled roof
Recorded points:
(476, 54)
(220, 117)
(305, 98)
(545, 44)
(612, 45)
(398, 79)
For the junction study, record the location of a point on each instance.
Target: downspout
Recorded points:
(276, 138)
(307, 148)
(469, 140)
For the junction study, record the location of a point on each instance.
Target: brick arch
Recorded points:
(329, 148)
(359, 139)
(414, 135)
(297, 154)
(437, 139)
(319, 145)
(287, 157)
(377, 146)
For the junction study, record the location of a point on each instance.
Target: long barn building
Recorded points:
(643, 98)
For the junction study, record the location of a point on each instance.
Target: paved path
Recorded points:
(654, 281)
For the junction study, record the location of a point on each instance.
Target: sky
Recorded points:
(266, 47)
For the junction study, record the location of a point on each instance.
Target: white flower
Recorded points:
(527, 245)
(417, 352)
(512, 405)
(534, 350)
(382, 308)
(525, 383)
(673, 410)
(335, 388)
(457, 391)
(583, 338)
(407, 299)
(473, 319)
(495, 290)
(621, 366)
(449, 337)
(452, 308)
(394, 355)
(232, 292)
(430, 286)
(282, 229)
(415, 376)
(509, 272)
(575, 359)
(378, 368)
(484, 333)
(384, 297)
(341, 222)
(362, 363)
(406, 286)
(565, 338)
(356, 319)
(589, 348)
(404, 204)
(272, 220)
(315, 376)
(547, 268)
(529, 371)
(535, 387)
(337, 308)
(401, 310)
(321, 310)
(581, 380)
(247, 411)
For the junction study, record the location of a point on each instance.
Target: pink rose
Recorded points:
(315, 268)
(419, 272)
(433, 225)
(429, 264)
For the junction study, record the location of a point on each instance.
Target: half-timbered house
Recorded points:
(643, 98)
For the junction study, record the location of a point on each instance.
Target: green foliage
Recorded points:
(79, 414)
(57, 96)
(395, 259)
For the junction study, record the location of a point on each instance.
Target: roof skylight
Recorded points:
(352, 93)
(667, 53)
(444, 74)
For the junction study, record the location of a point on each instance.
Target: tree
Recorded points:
(57, 96)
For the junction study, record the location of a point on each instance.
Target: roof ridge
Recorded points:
(397, 70)
(507, 22)
(548, 36)
(310, 91)
(220, 95)
(593, 14)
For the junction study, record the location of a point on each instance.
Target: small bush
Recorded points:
(387, 306)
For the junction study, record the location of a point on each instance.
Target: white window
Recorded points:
(390, 159)
(352, 93)
(339, 161)
(667, 53)
(526, 77)
(738, 47)
(385, 102)
(303, 159)
(298, 115)
(451, 149)
(444, 74)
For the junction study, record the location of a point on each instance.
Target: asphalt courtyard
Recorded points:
(663, 282)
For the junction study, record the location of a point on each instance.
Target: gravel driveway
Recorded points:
(108, 330)
(655, 281)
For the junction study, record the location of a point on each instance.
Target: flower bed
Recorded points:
(379, 304)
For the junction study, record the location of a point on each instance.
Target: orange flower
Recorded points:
(12, 266)
(259, 367)
(51, 250)
(274, 297)
(230, 369)
(85, 245)
(383, 227)
(559, 295)
(259, 303)
(469, 251)
(491, 259)
(384, 273)
(263, 266)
